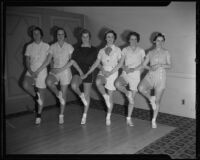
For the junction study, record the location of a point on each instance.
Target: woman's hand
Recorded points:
(55, 70)
(155, 67)
(83, 76)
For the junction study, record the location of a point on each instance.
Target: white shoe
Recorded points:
(60, 97)
(38, 120)
(129, 122)
(39, 101)
(82, 96)
(130, 97)
(153, 124)
(152, 101)
(108, 122)
(107, 100)
(61, 119)
(83, 120)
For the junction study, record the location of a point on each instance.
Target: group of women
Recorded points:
(85, 59)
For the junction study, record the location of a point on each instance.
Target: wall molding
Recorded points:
(181, 75)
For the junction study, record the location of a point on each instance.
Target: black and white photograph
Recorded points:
(100, 80)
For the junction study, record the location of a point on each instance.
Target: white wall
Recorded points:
(177, 21)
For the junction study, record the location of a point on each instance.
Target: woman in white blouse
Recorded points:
(110, 57)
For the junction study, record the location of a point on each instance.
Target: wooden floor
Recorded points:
(24, 137)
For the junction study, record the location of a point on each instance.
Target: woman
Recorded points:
(60, 52)
(134, 56)
(159, 59)
(84, 56)
(36, 54)
(111, 59)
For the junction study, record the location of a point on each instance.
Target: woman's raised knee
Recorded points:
(117, 84)
(141, 88)
(74, 86)
(98, 82)
(49, 82)
(25, 84)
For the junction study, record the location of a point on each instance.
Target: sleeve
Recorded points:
(71, 49)
(124, 51)
(47, 49)
(100, 54)
(28, 50)
(95, 53)
(168, 57)
(50, 50)
(142, 53)
(120, 54)
(74, 55)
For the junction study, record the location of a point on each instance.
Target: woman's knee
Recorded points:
(25, 84)
(49, 82)
(117, 84)
(98, 82)
(141, 88)
(74, 86)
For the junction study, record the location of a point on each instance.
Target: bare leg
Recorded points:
(87, 89)
(42, 97)
(108, 121)
(75, 83)
(40, 100)
(100, 82)
(158, 94)
(144, 88)
(120, 84)
(50, 81)
(64, 89)
(62, 105)
(28, 85)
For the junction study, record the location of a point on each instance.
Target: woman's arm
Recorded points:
(168, 62)
(93, 67)
(145, 62)
(45, 63)
(76, 66)
(119, 65)
(28, 65)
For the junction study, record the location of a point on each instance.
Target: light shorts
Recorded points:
(157, 79)
(133, 79)
(63, 77)
(110, 81)
(40, 80)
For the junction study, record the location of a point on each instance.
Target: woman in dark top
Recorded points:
(84, 56)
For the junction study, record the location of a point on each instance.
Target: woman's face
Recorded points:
(36, 35)
(133, 40)
(110, 38)
(159, 41)
(60, 35)
(85, 38)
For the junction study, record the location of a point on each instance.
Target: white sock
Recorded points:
(128, 118)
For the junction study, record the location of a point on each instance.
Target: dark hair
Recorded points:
(110, 31)
(137, 35)
(84, 31)
(39, 29)
(59, 28)
(158, 35)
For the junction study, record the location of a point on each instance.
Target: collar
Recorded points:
(112, 46)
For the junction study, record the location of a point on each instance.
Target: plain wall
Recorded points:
(177, 21)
